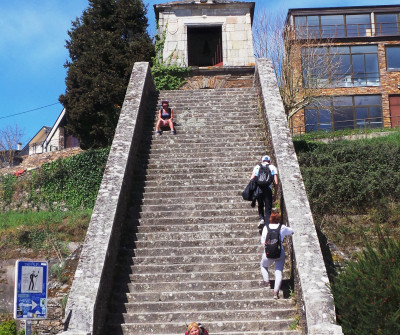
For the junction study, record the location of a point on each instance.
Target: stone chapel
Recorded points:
(207, 33)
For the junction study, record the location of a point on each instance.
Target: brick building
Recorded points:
(364, 91)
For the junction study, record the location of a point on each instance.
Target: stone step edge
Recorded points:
(206, 323)
(160, 284)
(255, 310)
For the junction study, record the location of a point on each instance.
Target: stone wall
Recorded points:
(91, 287)
(309, 265)
(234, 18)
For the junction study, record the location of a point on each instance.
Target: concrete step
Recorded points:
(230, 313)
(216, 137)
(223, 326)
(243, 165)
(195, 286)
(197, 213)
(177, 260)
(194, 267)
(190, 251)
(209, 147)
(198, 228)
(197, 276)
(194, 207)
(184, 149)
(199, 220)
(177, 183)
(225, 155)
(200, 143)
(198, 236)
(282, 308)
(223, 242)
(206, 199)
(234, 190)
(258, 293)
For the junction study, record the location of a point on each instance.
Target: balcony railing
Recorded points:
(348, 30)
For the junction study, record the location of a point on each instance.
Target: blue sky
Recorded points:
(32, 54)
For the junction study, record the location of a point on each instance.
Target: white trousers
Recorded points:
(279, 263)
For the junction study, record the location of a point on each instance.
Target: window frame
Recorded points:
(316, 107)
(394, 46)
(368, 76)
(377, 24)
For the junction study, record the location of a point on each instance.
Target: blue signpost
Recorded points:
(30, 294)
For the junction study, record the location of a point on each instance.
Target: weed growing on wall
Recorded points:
(71, 182)
(7, 187)
(367, 291)
(166, 75)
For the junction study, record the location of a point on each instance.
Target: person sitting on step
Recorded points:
(274, 222)
(165, 118)
(196, 329)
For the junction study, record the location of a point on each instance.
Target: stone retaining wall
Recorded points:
(91, 287)
(309, 265)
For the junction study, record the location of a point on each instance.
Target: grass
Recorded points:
(340, 133)
(45, 232)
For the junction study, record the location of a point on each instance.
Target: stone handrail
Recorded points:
(90, 291)
(317, 300)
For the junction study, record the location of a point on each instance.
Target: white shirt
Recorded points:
(272, 168)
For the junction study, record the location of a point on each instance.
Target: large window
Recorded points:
(393, 58)
(344, 66)
(387, 24)
(343, 112)
(333, 26)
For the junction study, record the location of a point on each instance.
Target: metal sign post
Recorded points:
(28, 327)
(30, 293)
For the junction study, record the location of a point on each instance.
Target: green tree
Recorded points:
(104, 43)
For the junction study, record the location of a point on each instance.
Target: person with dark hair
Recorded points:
(274, 222)
(266, 198)
(165, 118)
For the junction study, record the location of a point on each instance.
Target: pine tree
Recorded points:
(104, 43)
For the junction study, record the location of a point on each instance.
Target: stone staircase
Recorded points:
(191, 249)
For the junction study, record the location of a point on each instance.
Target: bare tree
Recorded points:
(10, 137)
(303, 62)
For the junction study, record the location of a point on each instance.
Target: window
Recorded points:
(393, 58)
(387, 24)
(358, 25)
(333, 26)
(345, 66)
(343, 112)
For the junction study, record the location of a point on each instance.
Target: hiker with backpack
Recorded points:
(165, 118)
(271, 238)
(265, 175)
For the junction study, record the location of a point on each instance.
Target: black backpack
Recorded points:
(265, 177)
(272, 243)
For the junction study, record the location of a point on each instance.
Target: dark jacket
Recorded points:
(252, 191)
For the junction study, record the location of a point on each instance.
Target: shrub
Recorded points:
(8, 327)
(367, 291)
(7, 187)
(71, 182)
(349, 176)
